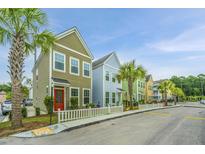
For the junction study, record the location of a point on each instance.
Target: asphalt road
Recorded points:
(183, 125)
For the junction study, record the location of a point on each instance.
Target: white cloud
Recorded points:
(188, 58)
(190, 40)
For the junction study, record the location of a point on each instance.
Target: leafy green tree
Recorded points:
(191, 85)
(21, 29)
(130, 72)
(5, 87)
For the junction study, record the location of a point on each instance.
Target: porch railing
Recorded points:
(68, 115)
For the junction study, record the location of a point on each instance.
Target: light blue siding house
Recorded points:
(106, 88)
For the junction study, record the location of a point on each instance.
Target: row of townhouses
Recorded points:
(68, 71)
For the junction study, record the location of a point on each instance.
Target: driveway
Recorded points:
(182, 125)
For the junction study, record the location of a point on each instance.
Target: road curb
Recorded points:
(194, 106)
(120, 116)
(62, 127)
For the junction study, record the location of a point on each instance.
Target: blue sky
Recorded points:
(165, 41)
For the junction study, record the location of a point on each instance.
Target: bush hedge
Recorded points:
(24, 112)
(38, 111)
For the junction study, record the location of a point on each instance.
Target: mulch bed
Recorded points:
(26, 126)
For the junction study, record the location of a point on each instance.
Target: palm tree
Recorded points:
(177, 92)
(130, 72)
(164, 88)
(21, 29)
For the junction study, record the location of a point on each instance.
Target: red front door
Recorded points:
(58, 99)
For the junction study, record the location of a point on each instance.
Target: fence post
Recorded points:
(109, 109)
(59, 115)
(122, 108)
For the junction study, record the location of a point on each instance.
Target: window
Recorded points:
(113, 98)
(86, 69)
(107, 98)
(74, 93)
(138, 83)
(74, 64)
(59, 63)
(86, 94)
(113, 78)
(107, 76)
(36, 74)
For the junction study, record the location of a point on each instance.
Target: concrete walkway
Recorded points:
(57, 128)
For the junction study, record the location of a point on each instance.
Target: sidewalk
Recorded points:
(57, 128)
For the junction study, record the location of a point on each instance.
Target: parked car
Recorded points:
(28, 102)
(202, 101)
(6, 107)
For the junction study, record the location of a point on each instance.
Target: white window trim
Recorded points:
(112, 97)
(89, 95)
(78, 93)
(108, 75)
(113, 75)
(83, 69)
(54, 61)
(108, 97)
(77, 74)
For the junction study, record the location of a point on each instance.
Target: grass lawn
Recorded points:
(28, 124)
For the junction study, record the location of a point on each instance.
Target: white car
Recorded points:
(202, 101)
(6, 107)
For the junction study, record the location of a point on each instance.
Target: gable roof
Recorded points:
(64, 34)
(103, 60)
(76, 31)
(148, 77)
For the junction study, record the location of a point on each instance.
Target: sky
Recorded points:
(165, 42)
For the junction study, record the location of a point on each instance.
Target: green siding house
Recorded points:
(138, 90)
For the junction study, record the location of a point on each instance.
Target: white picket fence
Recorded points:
(148, 106)
(68, 115)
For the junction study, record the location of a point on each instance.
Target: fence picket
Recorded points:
(68, 115)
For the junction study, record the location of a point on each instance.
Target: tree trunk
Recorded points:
(16, 62)
(175, 100)
(165, 96)
(130, 89)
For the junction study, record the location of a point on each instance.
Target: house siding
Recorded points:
(75, 81)
(40, 85)
(100, 85)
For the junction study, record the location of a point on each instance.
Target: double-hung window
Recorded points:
(107, 76)
(113, 98)
(59, 61)
(107, 98)
(86, 96)
(113, 78)
(74, 93)
(86, 69)
(74, 66)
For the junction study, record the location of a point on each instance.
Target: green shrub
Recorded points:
(38, 111)
(141, 101)
(74, 103)
(135, 103)
(90, 105)
(47, 103)
(24, 112)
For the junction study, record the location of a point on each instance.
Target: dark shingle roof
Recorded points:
(159, 81)
(148, 77)
(101, 60)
